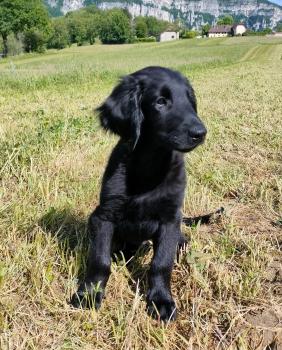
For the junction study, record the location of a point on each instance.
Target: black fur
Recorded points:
(154, 111)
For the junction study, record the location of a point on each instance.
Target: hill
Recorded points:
(256, 14)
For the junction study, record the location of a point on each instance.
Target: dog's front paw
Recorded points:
(160, 307)
(87, 297)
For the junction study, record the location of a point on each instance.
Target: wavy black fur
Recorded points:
(154, 111)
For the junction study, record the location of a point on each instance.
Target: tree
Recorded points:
(18, 16)
(115, 27)
(205, 29)
(155, 26)
(278, 28)
(91, 8)
(141, 28)
(175, 26)
(59, 39)
(266, 31)
(92, 22)
(83, 25)
(76, 27)
(226, 20)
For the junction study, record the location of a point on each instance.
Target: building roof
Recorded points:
(221, 29)
(225, 28)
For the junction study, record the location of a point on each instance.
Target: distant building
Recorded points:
(168, 36)
(238, 29)
(220, 31)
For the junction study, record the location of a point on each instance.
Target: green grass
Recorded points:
(227, 284)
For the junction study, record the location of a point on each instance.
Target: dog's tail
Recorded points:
(204, 219)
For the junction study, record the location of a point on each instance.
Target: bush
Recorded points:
(258, 33)
(149, 39)
(34, 40)
(189, 34)
(15, 44)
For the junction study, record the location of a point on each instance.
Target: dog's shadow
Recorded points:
(71, 232)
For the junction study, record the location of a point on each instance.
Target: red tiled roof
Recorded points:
(221, 29)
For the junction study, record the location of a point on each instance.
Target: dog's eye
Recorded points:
(161, 101)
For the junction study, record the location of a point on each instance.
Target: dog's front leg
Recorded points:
(91, 291)
(159, 299)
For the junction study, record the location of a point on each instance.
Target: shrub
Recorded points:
(34, 40)
(149, 39)
(189, 34)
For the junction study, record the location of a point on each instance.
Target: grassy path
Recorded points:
(260, 52)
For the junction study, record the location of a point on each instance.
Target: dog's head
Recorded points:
(157, 104)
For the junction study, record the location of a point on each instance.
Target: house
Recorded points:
(168, 36)
(226, 30)
(238, 29)
(220, 31)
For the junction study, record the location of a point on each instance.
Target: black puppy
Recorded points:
(154, 111)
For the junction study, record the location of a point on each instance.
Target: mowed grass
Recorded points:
(227, 284)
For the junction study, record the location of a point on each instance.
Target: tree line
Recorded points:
(27, 26)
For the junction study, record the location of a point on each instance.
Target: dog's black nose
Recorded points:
(198, 133)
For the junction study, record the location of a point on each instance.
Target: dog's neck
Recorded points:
(149, 165)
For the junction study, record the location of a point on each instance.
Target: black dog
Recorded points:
(154, 111)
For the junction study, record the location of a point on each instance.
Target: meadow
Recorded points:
(228, 282)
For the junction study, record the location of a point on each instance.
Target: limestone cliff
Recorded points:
(255, 13)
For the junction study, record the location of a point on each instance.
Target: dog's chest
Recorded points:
(160, 203)
(143, 214)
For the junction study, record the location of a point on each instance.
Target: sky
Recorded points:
(279, 2)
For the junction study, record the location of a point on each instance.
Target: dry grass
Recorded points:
(227, 284)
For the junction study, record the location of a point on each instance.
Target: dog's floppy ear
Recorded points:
(121, 112)
(192, 96)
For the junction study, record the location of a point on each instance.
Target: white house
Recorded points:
(168, 36)
(238, 29)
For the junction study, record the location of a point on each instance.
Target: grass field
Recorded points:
(227, 285)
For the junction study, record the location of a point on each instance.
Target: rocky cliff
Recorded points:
(255, 13)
